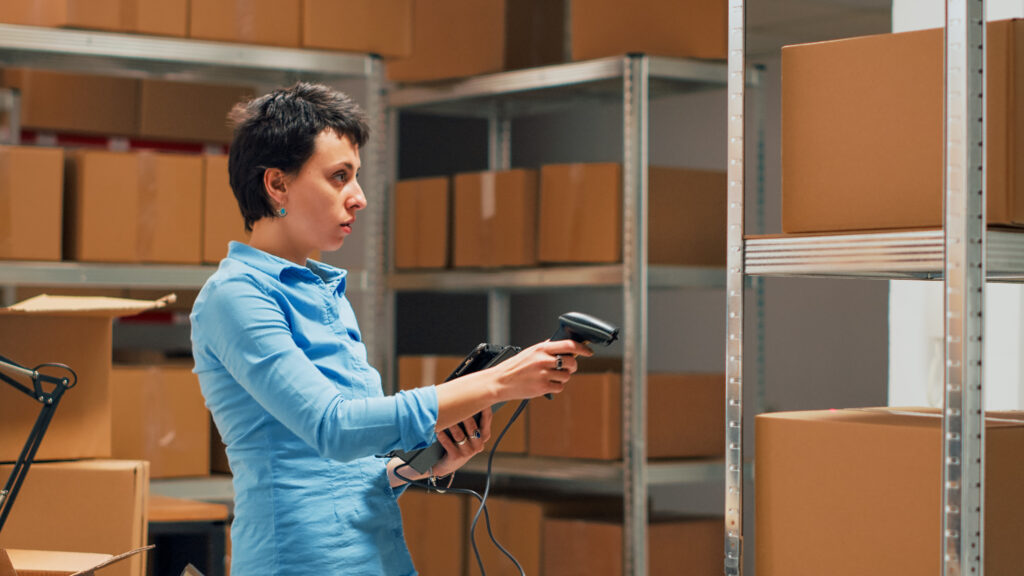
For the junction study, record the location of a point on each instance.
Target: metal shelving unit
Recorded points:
(633, 81)
(964, 255)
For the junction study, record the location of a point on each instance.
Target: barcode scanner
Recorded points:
(585, 329)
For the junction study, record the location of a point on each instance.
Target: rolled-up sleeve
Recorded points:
(245, 328)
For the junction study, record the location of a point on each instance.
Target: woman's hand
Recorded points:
(543, 368)
(461, 445)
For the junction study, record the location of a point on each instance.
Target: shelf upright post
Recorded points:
(963, 440)
(734, 293)
(634, 283)
(499, 154)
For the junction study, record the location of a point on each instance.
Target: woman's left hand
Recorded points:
(461, 445)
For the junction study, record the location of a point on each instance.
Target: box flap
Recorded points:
(50, 563)
(86, 306)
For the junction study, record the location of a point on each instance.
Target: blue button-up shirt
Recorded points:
(283, 369)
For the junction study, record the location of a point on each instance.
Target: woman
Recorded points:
(284, 371)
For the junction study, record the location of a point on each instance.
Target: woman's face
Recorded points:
(324, 196)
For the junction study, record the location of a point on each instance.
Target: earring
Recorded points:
(282, 212)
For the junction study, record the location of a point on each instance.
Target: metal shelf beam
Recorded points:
(525, 280)
(177, 58)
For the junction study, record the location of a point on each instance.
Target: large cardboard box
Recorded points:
(162, 17)
(686, 215)
(847, 492)
(417, 371)
(574, 546)
(31, 202)
(187, 111)
(169, 222)
(862, 131)
(15, 562)
(435, 531)
(685, 417)
(222, 219)
(76, 332)
(422, 216)
(518, 526)
(495, 222)
(101, 206)
(451, 39)
(159, 415)
(273, 22)
(382, 27)
(63, 102)
(58, 499)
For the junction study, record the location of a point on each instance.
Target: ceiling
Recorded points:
(772, 24)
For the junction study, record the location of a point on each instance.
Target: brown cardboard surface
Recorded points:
(57, 497)
(681, 29)
(92, 14)
(686, 217)
(435, 531)
(495, 222)
(849, 492)
(101, 206)
(855, 158)
(51, 563)
(170, 208)
(159, 415)
(222, 219)
(72, 331)
(273, 22)
(422, 216)
(187, 111)
(517, 524)
(453, 38)
(594, 547)
(157, 17)
(64, 102)
(684, 413)
(165, 509)
(382, 27)
(31, 202)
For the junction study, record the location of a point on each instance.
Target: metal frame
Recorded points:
(960, 254)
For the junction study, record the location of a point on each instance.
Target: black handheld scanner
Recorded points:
(584, 328)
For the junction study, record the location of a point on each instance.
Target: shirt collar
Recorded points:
(278, 267)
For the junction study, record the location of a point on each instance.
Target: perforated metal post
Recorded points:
(734, 294)
(634, 280)
(963, 443)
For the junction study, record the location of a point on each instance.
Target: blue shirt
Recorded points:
(283, 369)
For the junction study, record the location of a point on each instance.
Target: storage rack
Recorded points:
(634, 81)
(181, 59)
(964, 255)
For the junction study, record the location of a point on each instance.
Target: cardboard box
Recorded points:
(857, 157)
(451, 39)
(75, 332)
(848, 492)
(222, 219)
(518, 526)
(273, 22)
(417, 371)
(159, 415)
(422, 216)
(382, 27)
(495, 222)
(31, 202)
(62, 102)
(594, 547)
(435, 531)
(169, 222)
(57, 500)
(685, 418)
(157, 17)
(101, 206)
(161, 17)
(186, 111)
(50, 563)
(686, 215)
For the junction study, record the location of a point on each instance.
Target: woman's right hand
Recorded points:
(543, 368)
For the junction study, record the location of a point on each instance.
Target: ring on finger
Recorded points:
(558, 362)
(461, 442)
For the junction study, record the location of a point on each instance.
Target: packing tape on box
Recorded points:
(149, 211)
(428, 371)
(488, 196)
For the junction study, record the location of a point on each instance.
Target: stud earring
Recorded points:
(282, 212)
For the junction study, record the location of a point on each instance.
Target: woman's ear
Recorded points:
(274, 182)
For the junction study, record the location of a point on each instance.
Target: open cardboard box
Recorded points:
(48, 563)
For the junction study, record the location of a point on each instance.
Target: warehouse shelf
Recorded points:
(178, 58)
(890, 255)
(525, 91)
(564, 277)
(214, 488)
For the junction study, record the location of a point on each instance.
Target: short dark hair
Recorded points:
(279, 130)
